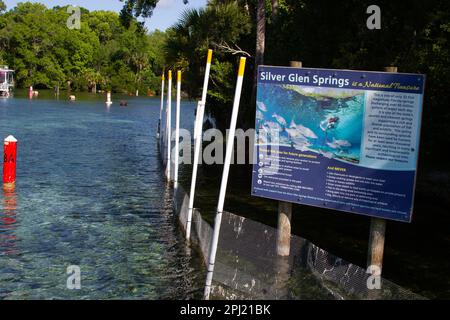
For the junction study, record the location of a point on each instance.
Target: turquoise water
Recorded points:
(90, 192)
(322, 120)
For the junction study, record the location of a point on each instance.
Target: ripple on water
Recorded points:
(90, 192)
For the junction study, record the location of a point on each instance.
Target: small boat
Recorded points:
(6, 81)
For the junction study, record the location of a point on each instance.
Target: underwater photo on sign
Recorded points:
(326, 121)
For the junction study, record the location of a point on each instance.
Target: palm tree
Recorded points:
(140, 61)
(93, 77)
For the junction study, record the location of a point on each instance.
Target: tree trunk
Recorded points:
(274, 9)
(260, 32)
(260, 43)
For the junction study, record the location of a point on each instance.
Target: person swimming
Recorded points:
(329, 123)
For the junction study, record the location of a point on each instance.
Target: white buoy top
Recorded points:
(10, 139)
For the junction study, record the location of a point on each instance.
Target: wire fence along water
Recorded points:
(248, 267)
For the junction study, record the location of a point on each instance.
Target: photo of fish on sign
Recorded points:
(316, 119)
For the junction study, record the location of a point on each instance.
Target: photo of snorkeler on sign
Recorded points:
(327, 121)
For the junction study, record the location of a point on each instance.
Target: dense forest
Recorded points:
(114, 51)
(321, 34)
(101, 55)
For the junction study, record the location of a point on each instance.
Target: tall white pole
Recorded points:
(198, 142)
(223, 185)
(197, 147)
(205, 83)
(206, 79)
(162, 106)
(169, 124)
(177, 130)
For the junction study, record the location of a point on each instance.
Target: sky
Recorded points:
(165, 14)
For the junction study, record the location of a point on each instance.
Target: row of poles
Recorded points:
(165, 137)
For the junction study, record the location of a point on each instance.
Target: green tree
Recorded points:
(2, 7)
(35, 41)
(221, 26)
(138, 8)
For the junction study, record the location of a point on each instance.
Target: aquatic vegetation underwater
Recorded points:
(321, 120)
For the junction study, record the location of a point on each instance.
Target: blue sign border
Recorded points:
(350, 80)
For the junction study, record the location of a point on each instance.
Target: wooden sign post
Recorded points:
(377, 230)
(285, 213)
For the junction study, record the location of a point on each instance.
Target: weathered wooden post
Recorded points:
(285, 213)
(284, 228)
(377, 230)
(376, 242)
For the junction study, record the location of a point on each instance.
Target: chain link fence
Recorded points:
(248, 267)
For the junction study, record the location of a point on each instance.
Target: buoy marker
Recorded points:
(108, 98)
(9, 162)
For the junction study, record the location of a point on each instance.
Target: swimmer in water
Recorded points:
(330, 123)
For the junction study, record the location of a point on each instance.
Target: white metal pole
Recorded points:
(223, 185)
(162, 106)
(197, 147)
(169, 124)
(177, 130)
(205, 84)
(197, 113)
(198, 142)
(206, 80)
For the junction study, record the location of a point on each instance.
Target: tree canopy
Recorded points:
(321, 34)
(2, 6)
(102, 54)
(110, 52)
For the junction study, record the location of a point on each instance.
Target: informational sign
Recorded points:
(338, 139)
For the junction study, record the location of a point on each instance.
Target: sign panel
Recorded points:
(338, 139)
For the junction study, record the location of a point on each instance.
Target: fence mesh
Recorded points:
(248, 267)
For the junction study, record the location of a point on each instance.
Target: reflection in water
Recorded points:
(8, 222)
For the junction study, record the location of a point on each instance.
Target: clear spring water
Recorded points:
(90, 192)
(320, 120)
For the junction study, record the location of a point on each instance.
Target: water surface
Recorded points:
(90, 192)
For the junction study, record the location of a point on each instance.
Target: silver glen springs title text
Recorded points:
(296, 78)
